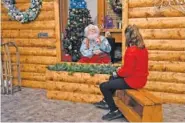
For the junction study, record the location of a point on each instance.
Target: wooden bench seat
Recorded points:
(139, 105)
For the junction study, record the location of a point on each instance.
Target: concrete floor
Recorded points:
(31, 105)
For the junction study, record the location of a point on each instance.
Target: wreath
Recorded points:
(29, 15)
(116, 6)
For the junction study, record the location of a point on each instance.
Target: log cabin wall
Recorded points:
(163, 31)
(35, 53)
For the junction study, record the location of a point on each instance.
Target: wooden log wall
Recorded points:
(163, 30)
(35, 53)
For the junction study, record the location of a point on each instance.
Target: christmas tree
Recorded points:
(79, 18)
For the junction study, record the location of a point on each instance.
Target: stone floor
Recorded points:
(31, 105)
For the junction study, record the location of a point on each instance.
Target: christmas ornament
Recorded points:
(78, 4)
(29, 15)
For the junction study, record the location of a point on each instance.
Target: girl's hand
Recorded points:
(118, 69)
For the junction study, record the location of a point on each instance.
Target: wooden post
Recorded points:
(57, 30)
(101, 13)
(125, 24)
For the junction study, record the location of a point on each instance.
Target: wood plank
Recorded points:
(139, 97)
(166, 76)
(145, 12)
(77, 87)
(74, 97)
(125, 23)
(57, 31)
(167, 66)
(46, 6)
(151, 97)
(32, 84)
(170, 97)
(31, 76)
(101, 13)
(176, 33)
(170, 45)
(158, 23)
(8, 25)
(43, 60)
(130, 115)
(33, 51)
(130, 102)
(76, 77)
(147, 3)
(26, 33)
(152, 114)
(24, 42)
(43, 16)
(35, 68)
(155, 55)
(177, 88)
(111, 30)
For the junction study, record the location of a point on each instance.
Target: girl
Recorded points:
(132, 75)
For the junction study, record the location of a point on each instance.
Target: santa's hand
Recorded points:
(97, 52)
(98, 40)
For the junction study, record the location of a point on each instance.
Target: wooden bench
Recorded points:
(139, 105)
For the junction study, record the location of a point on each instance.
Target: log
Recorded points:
(74, 97)
(167, 55)
(145, 12)
(31, 76)
(46, 6)
(147, 3)
(170, 97)
(158, 23)
(50, 43)
(76, 77)
(9, 33)
(32, 84)
(35, 68)
(8, 25)
(125, 22)
(73, 87)
(177, 33)
(58, 30)
(167, 77)
(26, 33)
(32, 51)
(176, 88)
(43, 60)
(43, 16)
(167, 66)
(174, 45)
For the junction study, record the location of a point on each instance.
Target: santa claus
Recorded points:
(95, 48)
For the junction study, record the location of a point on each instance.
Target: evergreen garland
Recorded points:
(83, 68)
(29, 15)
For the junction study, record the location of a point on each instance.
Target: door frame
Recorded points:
(61, 15)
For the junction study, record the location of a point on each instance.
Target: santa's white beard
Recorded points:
(93, 36)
